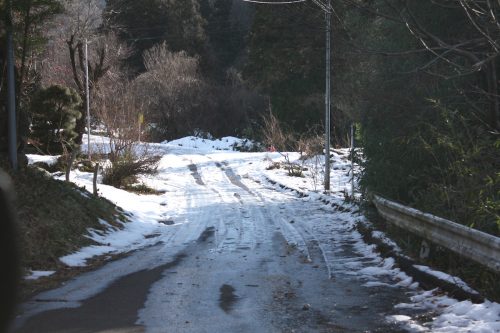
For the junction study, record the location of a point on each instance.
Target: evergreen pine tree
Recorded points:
(55, 111)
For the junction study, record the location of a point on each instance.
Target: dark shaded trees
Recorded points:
(28, 19)
(3, 82)
(226, 35)
(287, 62)
(30, 16)
(422, 78)
(144, 24)
(210, 96)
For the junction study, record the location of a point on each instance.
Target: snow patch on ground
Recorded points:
(35, 275)
(468, 317)
(386, 240)
(456, 316)
(48, 159)
(446, 277)
(145, 215)
(450, 315)
(208, 145)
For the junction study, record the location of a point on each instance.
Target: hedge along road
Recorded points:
(242, 256)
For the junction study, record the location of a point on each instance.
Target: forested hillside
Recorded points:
(422, 81)
(419, 78)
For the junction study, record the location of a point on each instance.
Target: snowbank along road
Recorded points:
(227, 250)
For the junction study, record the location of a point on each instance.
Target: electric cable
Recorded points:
(275, 2)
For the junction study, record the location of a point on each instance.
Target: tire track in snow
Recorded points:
(196, 175)
(269, 214)
(251, 225)
(333, 242)
(232, 229)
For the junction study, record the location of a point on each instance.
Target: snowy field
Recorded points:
(192, 161)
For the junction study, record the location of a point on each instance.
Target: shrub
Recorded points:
(310, 146)
(274, 136)
(123, 172)
(280, 140)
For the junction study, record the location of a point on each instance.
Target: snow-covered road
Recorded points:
(225, 249)
(258, 259)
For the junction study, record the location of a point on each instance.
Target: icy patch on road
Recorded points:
(449, 315)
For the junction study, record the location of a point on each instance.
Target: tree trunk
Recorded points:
(493, 92)
(71, 160)
(82, 122)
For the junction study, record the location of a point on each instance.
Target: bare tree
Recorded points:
(79, 21)
(118, 112)
(65, 61)
(174, 90)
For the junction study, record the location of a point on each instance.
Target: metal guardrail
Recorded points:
(470, 243)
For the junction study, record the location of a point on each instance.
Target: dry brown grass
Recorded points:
(54, 217)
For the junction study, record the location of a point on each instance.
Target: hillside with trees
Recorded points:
(422, 82)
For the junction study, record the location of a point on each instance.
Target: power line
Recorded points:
(275, 2)
(326, 7)
(218, 32)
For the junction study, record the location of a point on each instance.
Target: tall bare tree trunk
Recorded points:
(71, 160)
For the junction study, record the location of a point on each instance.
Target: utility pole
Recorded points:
(87, 97)
(328, 16)
(11, 91)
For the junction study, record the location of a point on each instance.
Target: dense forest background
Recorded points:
(419, 79)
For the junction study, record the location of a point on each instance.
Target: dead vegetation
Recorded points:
(280, 140)
(123, 172)
(54, 217)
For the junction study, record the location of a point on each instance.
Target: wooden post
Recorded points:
(71, 160)
(94, 182)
